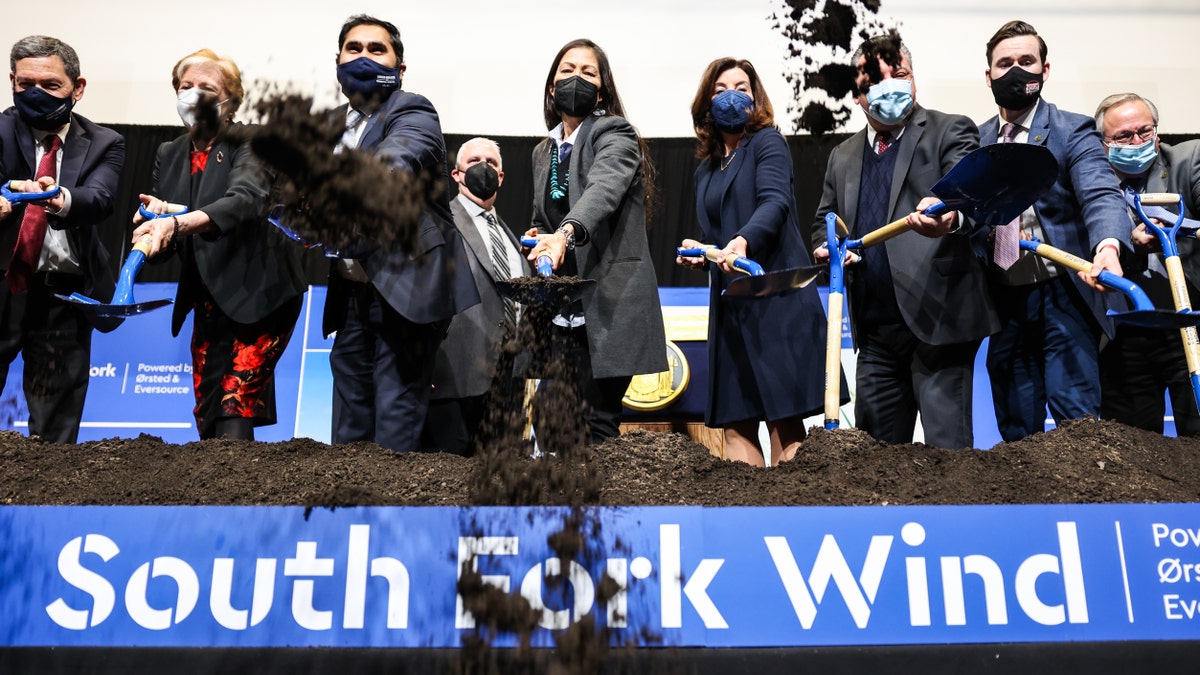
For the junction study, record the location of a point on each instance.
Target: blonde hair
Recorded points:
(230, 74)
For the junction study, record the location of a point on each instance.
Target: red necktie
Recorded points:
(33, 226)
(1007, 246)
(882, 140)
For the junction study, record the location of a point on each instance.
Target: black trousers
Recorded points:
(1135, 369)
(601, 396)
(55, 341)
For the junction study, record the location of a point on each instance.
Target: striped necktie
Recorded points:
(500, 263)
(1007, 246)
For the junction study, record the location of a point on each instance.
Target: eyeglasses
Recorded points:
(1144, 134)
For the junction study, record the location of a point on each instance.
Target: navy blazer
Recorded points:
(427, 284)
(90, 169)
(249, 267)
(1084, 206)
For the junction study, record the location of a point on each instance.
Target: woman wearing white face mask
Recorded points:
(238, 273)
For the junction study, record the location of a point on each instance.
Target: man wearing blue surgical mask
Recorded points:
(1139, 364)
(1046, 354)
(919, 305)
(391, 307)
(50, 247)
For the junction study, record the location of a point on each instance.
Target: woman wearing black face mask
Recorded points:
(240, 275)
(765, 355)
(591, 181)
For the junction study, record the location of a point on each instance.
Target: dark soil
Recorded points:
(1082, 462)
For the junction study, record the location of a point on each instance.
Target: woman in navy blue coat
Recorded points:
(765, 355)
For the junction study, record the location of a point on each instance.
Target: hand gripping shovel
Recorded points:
(122, 304)
(755, 282)
(1149, 206)
(541, 291)
(992, 184)
(7, 192)
(1144, 313)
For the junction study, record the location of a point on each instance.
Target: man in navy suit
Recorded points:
(1047, 350)
(919, 304)
(51, 246)
(391, 307)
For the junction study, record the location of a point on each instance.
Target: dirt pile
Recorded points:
(1082, 462)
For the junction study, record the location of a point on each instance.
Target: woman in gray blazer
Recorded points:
(591, 178)
(240, 276)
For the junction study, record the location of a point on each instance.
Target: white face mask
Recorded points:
(187, 102)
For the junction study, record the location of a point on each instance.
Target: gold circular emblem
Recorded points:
(659, 390)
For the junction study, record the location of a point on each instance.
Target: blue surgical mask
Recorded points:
(1132, 160)
(731, 110)
(890, 100)
(366, 80)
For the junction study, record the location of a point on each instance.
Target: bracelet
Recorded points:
(174, 230)
(569, 235)
(1112, 246)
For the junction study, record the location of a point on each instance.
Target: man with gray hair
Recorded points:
(1140, 363)
(469, 360)
(50, 246)
(919, 304)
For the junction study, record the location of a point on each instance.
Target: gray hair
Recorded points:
(38, 46)
(1115, 100)
(479, 139)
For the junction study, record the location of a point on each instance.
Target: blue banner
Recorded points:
(686, 576)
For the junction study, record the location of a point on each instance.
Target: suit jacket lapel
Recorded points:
(578, 177)
(908, 147)
(856, 148)
(74, 152)
(470, 234)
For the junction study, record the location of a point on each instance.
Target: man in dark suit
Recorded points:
(1047, 350)
(391, 307)
(467, 360)
(1139, 364)
(51, 246)
(919, 304)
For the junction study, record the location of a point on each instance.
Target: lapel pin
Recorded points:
(1037, 139)
(220, 156)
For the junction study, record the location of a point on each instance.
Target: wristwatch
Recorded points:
(569, 235)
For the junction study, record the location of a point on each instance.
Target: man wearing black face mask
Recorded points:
(50, 246)
(469, 357)
(391, 308)
(1047, 350)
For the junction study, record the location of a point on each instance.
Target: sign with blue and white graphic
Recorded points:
(685, 576)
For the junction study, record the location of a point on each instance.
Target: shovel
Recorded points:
(275, 217)
(1143, 314)
(540, 292)
(755, 282)
(7, 192)
(1149, 206)
(122, 304)
(992, 184)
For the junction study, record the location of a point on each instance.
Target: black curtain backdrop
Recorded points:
(673, 218)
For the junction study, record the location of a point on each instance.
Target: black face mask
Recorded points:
(482, 180)
(1017, 89)
(575, 96)
(42, 110)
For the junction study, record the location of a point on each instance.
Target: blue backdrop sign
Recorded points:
(687, 576)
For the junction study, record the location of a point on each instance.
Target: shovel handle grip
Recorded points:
(15, 197)
(172, 210)
(1160, 199)
(545, 266)
(712, 254)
